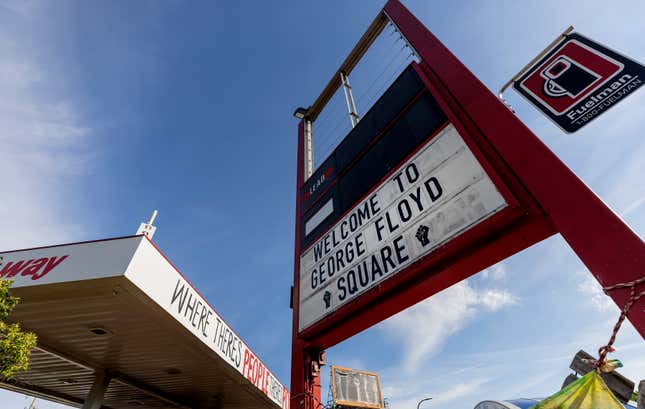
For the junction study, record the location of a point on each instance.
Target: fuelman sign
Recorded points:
(437, 194)
(578, 81)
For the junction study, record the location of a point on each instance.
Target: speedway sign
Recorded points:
(431, 198)
(578, 80)
(136, 261)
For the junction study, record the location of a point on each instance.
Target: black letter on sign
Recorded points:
(412, 176)
(341, 286)
(435, 193)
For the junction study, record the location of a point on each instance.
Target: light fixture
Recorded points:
(300, 112)
(100, 331)
(421, 401)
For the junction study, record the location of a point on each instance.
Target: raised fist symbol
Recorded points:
(327, 299)
(422, 235)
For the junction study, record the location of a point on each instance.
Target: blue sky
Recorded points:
(111, 109)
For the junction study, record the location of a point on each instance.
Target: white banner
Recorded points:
(152, 273)
(433, 197)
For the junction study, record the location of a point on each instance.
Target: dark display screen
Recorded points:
(404, 117)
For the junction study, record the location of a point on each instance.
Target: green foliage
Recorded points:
(7, 301)
(15, 345)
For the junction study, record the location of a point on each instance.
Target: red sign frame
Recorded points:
(545, 197)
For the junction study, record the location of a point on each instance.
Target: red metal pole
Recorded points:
(605, 244)
(305, 388)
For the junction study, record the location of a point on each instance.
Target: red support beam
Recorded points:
(305, 388)
(605, 244)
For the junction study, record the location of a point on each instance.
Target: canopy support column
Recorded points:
(97, 393)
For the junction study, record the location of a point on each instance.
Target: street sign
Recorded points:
(353, 388)
(578, 80)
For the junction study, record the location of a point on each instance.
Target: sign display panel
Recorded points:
(356, 388)
(401, 120)
(579, 80)
(432, 197)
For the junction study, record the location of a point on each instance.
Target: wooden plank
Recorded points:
(348, 65)
(619, 385)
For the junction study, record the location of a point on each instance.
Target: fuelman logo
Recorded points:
(579, 80)
(565, 77)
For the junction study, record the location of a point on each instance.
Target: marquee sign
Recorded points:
(579, 80)
(437, 194)
(401, 188)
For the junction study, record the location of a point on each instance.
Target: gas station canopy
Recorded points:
(119, 327)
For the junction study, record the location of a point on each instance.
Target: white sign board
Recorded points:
(433, 197)
(73, 262)
(156, 276)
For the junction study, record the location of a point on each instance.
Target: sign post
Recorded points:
(438, 181)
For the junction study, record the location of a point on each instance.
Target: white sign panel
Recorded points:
(434, 196)
(152, 273)
(352, 388)
(58, 264)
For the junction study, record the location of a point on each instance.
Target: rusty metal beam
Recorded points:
(348, 65)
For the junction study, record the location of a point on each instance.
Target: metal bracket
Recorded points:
(349, 99)
(530, 64)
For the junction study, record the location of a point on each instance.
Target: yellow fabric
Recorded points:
(588, 392)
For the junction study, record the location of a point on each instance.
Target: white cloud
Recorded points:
(494, 300)
(42, 148)
(43, 138)
(425, 327)
(633, 206)
(460, 390)
(496, 272)
(402, 398)
(23, 7)
(591, 288)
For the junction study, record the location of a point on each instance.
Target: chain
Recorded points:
(311, 395)
(633, 297)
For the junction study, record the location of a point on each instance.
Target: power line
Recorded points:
(324, 121)
(381, 74)
(390, 79)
